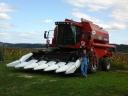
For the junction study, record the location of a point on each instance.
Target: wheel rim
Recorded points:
(94, 68)
(108, 66)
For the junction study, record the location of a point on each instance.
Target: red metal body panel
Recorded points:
(98, 37)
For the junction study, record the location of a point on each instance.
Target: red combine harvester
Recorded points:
(64, 53)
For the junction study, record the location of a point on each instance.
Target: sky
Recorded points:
(24, 21)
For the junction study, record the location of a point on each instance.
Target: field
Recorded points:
(29, 83)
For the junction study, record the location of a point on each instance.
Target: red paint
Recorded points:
(98, 38)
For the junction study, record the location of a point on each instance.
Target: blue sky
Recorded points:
(24, 21)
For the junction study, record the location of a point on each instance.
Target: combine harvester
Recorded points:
(63, 55)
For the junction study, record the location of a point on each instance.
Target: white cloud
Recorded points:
(77, 3)
(6, 26)
(97, 5)
(117, 26)
(4, 16)
(119, 8)
(3, 34)
(80, 15)
(111, 25)
(47, 20)
(94, 5)
(22, 37)
(4, 10)
(118, 13)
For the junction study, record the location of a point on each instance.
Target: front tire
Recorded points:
(93, 64)
(93, 68)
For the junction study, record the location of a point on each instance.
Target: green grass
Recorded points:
(28, 83)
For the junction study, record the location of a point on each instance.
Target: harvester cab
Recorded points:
(63, 54)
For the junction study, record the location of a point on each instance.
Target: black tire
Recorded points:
(93, 65)
(93, 68)
(106, 64)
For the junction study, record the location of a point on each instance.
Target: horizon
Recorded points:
(45, 43)
(24, 21)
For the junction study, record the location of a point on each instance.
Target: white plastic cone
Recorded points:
(22, 64)
(64, 68)
(73, 68)
(50, 65)
(12, 64)
(41, 65)
(25, 57)
(55, 66)
(30, 64)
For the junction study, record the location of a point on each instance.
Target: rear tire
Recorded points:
(106, 64)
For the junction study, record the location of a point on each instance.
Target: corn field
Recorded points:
(120, 61)
(16, 53)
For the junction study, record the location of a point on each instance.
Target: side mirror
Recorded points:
(45, 35)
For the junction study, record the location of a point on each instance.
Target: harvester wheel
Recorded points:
(93, 64)
(106, 64)
(93, 68)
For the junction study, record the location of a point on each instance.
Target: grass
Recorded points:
(28, 83)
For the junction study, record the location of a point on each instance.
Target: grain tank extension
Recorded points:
(63, 54)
